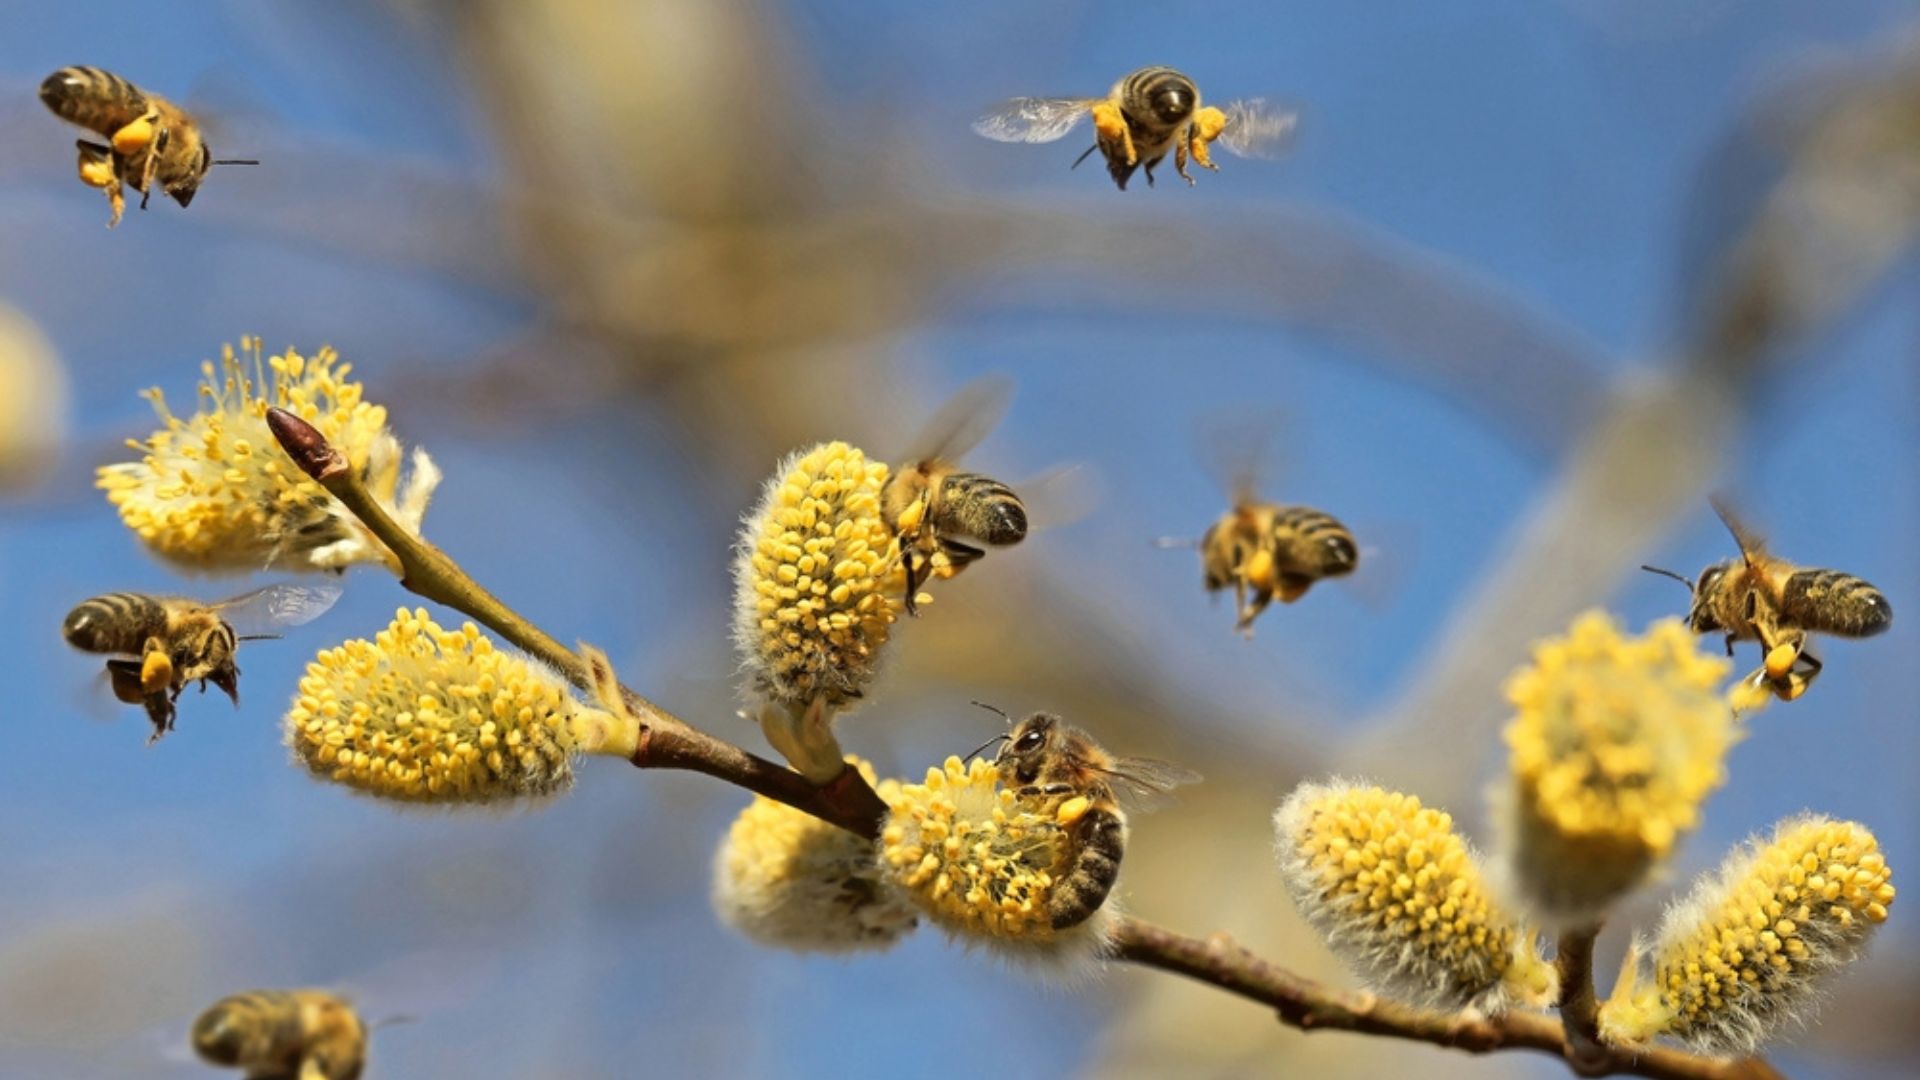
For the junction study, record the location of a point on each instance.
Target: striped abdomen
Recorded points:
(94, 99)
(1101, 839)
(1157, 100)
(981, 507)
(1831, 602)
(1313, 542)
(115, 623)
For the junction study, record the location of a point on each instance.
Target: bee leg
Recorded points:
(1032, 790)
(1729, 644)
(156, 667)
(1110, 128)
(1795, 680)
(124, 675)
(958, 555)
(1180, 155)
(161, 712)
(916, 576)
(1199, 139)
(1251, 611)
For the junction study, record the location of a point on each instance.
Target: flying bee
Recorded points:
(179, 641)
(1060, 767)
(1759, 597)
(1262, 549)
(149, 139)
(290, 1034)
(1147, 113)
(929, 503)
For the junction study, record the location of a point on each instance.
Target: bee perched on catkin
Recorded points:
(423, 714)
(818, 583)
(984, 864)
(213, 491)
(1399, 896)
(1615, 744)
(1745, 953)
(785, 878)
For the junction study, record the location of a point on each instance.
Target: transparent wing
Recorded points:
(265, 610)
(1032, 119)
(1752, 544)
(1237, 449)
(964, 420)
(1060, 496)
(1256, 129)
(1145, 783)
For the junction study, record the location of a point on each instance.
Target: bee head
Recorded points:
(1027, 747)
(221, 1035)
(1172, 101)
(1700, 616)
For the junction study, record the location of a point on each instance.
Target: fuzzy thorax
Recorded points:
(817, 586)
(787, 879)
(213, 491)
(1615, 744)
(422, 714)
(982, 864)
(1399, 896)
(1744, 954)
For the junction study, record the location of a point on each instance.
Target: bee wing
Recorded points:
(1144, 784)
(1237, 450)
(275, 606)
(1256, 129)
(1033, 119)
(1752, 544)
(1060, 496)
(964, 420)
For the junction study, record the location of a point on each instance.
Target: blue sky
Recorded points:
(1550, 149)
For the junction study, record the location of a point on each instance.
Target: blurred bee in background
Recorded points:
(1264, 549)
(1758, 597)
(929, 503)
(149, 138)
(284, 1035)
(1059, 766)
(178, 641)
(1147, 113)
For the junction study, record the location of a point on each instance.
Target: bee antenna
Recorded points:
(992, 709)
(1083, 157)
(1002, 737)
(1667, 573)
(258, 637)
(1165, 542)
(236, 161)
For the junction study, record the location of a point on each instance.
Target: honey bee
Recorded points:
(149, 138)
(179, 641)
(1147, 113)
(1060, 767)
(929, 502)
(284, 1035)
(1264, 549)
(1759, 597)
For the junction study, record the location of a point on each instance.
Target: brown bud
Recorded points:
(305, 445)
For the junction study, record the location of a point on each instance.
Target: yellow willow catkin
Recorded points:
(982, 864)
(818, 584)
(1745, 953)
(1615, 744)
(1398, 895)
(423, 714)
(787, 879)
(214, 491)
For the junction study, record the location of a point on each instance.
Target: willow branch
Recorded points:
(667, 742)
(1579, 1005)
(1309, 1005)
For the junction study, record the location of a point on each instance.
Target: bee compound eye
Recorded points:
(1029, 742)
